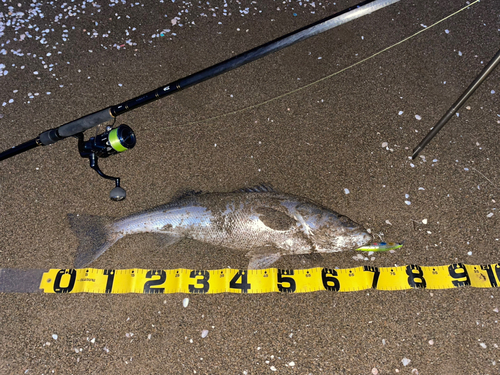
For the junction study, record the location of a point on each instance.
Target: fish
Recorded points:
(259, 220)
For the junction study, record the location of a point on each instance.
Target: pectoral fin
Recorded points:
(165, 240)
(261, 261)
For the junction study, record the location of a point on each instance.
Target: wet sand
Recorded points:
(315, 143)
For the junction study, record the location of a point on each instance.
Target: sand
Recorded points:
(321, 142)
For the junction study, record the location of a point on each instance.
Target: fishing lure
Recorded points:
(381, 246)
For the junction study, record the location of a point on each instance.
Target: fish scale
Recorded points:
(260, 221)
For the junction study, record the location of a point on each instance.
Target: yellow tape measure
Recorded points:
(91, 280)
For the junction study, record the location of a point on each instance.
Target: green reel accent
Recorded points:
(115, 142)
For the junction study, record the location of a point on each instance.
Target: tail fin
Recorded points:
(95, 236)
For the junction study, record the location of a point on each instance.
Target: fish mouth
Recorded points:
(363, 238)
(349, 240)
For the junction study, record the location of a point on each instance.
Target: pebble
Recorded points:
(405, 361)
(272, 368)
(185, 302)
(374, 371)
(431, 342)
(400, 113)
(424, 221)
(346, 191)
(54, 336)
(385, 144)
(204, 333)
(490, 214)
(483, 345)
(418, 117)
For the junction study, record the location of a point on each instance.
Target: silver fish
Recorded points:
(259, 220)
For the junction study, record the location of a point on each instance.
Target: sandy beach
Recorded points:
(343, 141)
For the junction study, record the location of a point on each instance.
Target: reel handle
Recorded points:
(111, 142)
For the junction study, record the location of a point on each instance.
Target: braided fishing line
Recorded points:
(253, 106)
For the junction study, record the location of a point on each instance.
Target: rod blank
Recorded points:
(86, 122)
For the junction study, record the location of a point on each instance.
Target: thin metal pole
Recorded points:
(456, 106)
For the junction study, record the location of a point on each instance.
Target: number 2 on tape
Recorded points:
(150, 286)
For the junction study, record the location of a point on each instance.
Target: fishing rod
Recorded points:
(122, 138)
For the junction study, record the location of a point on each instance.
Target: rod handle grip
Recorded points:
(74, 127)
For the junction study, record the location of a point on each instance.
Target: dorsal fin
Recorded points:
(262, 188)
(186, 194)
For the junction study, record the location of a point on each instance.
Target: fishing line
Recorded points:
(159, 281)
(326, 77)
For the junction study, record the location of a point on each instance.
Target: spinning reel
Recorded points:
(122, 138)
(111, 142)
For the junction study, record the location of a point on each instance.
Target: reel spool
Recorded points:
(112, 141)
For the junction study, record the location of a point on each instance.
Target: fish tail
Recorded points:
(95, 235)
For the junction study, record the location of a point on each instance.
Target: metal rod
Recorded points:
(456, 106)
(96, 118)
